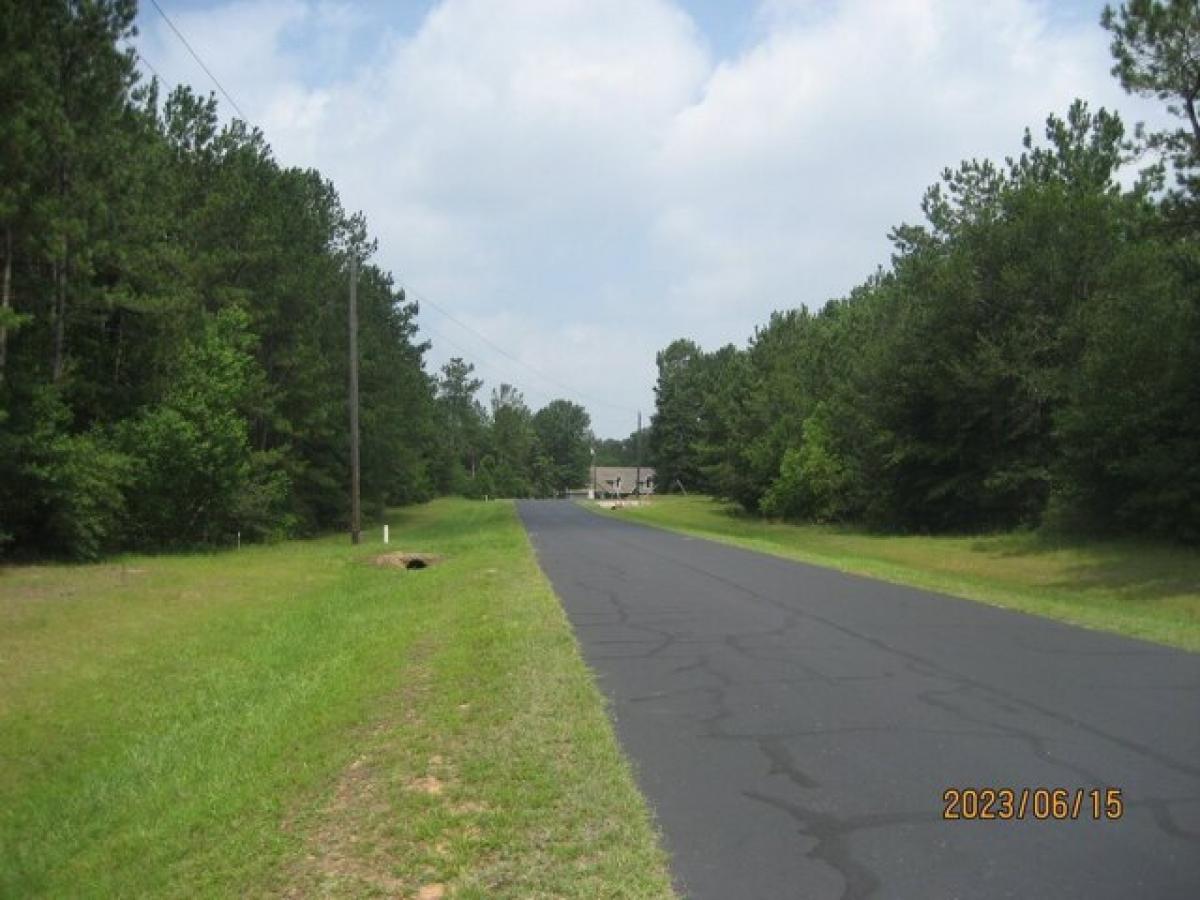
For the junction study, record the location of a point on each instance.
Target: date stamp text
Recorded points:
(1041, 803)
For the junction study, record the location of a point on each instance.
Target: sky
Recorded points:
(566, 186)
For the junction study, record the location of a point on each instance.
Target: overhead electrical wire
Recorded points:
(485, 368)
(196, 57)
(149, 65)
(524, 365)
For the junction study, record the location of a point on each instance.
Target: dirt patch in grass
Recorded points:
(351, 823)
(357, 844)
(350, 849)
(407, 560)
(427, 784)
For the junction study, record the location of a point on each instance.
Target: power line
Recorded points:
(196, 57)
(445, 312)
(487, 369)
(149, 65)
(546, 378)
(524, 365)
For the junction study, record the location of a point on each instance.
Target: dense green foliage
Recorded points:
(173, 328)
(175, 360)
(562, 429)
(509, 451)
(1156, 47)
(621, 451)
(1031, 355)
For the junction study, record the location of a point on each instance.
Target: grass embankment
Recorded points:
(1150, 591)
(292, 720)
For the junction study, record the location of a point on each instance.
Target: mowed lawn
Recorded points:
(1144, 590)
(293, 720)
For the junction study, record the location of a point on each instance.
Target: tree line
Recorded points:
(173, 337)
(627, 451)
(1031, 356)
(504, 449)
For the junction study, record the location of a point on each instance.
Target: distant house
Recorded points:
(620, 481)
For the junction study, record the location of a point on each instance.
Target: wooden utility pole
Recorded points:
(638, 484)
(355, 472)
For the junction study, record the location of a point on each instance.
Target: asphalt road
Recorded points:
(794, 728)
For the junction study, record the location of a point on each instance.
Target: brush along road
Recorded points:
(796, 729)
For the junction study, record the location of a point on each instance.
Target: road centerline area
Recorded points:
(796, 728)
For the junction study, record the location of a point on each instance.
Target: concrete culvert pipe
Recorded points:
(407, 560)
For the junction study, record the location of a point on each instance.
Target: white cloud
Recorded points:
(784, 178)
(585, 182)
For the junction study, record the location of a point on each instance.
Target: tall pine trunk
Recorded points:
(60, 316)
(5, 299)
(120, 348)
(60, 285)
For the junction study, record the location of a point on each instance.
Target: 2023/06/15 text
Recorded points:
(1005, 804)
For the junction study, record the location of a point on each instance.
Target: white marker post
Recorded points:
(385, 534)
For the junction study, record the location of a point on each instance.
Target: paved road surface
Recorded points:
(794, 728)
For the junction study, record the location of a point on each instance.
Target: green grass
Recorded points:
(1145, 590)
(294, 720)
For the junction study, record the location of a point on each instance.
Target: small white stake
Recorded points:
(385, 534)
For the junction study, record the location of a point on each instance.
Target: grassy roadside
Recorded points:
(292, 720)
(1149, 591)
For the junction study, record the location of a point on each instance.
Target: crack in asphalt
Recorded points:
(753, 640)
(830, 833)
(933, 668)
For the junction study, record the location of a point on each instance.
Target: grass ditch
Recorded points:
(293, 720)
(1139, 589)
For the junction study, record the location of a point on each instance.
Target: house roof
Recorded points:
(605, 477)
